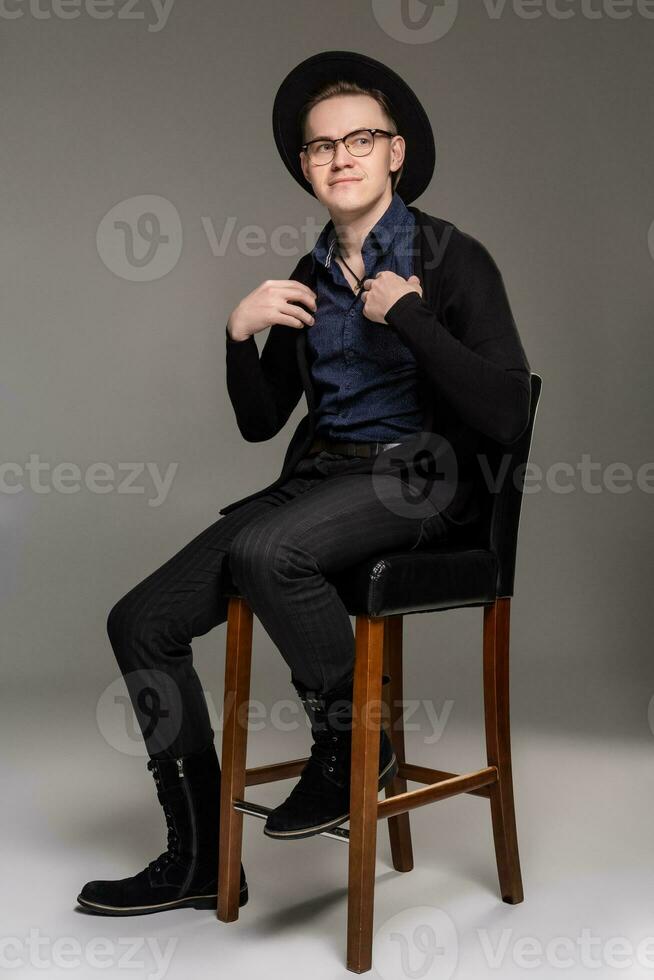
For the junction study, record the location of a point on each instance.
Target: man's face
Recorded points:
(350, 184)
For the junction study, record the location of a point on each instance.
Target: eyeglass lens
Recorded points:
(359, 144)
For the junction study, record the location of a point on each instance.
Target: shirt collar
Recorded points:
(378, 241)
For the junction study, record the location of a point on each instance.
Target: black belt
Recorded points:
(349, 448)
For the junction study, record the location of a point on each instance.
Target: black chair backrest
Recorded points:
(506, 464)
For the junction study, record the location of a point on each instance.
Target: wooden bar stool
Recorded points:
(478, 571)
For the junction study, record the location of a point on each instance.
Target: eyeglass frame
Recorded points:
(341, 139)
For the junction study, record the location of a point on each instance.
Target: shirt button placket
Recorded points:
(347, 334)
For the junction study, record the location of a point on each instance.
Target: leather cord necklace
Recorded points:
(359, 281)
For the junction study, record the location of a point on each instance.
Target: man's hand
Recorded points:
(273, 301)
(379, 294)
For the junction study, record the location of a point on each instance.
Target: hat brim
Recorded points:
(328, 66)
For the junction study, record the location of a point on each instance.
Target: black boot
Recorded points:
(321, 798)
(185, 875)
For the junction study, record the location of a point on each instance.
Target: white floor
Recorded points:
(79, 810)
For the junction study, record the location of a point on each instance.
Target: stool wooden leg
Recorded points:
(399, 828)
(498, 747)
(363, 790)
(234, 750)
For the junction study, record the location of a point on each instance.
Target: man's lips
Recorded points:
(345, 180)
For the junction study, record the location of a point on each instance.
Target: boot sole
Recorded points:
(190, 902)
(385, 776)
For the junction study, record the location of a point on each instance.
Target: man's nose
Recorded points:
(341, 155)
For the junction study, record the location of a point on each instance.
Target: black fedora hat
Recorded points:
(329, 66)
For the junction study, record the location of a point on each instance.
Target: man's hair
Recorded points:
(342, 87)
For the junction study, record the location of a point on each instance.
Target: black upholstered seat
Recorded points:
(441, 576)
(438, 577)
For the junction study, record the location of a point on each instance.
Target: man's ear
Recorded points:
(304, 164)
(398, 153)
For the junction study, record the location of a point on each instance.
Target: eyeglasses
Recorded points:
(359, 143)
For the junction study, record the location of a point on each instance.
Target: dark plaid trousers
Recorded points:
(280, 549)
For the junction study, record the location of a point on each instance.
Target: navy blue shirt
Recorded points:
(363, 375)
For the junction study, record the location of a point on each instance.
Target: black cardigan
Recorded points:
(473, 373)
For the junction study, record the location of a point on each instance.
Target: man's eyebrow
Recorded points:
(355, 130)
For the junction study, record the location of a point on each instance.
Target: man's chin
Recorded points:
(352, 196)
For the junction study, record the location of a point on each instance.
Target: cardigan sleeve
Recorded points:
(473, 356)
(264, 389)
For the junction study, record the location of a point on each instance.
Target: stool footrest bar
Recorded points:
(256, 810)
(422, 774)
(274, 771)
(440, 790)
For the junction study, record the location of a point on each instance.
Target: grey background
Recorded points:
(544, 142)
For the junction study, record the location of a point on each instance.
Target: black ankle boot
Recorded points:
(321, 798)
(185, 875)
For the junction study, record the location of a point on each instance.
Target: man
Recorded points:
(397, 328)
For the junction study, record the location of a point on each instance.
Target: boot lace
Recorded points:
(330, 749)
(324, 751)
(173, 842)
